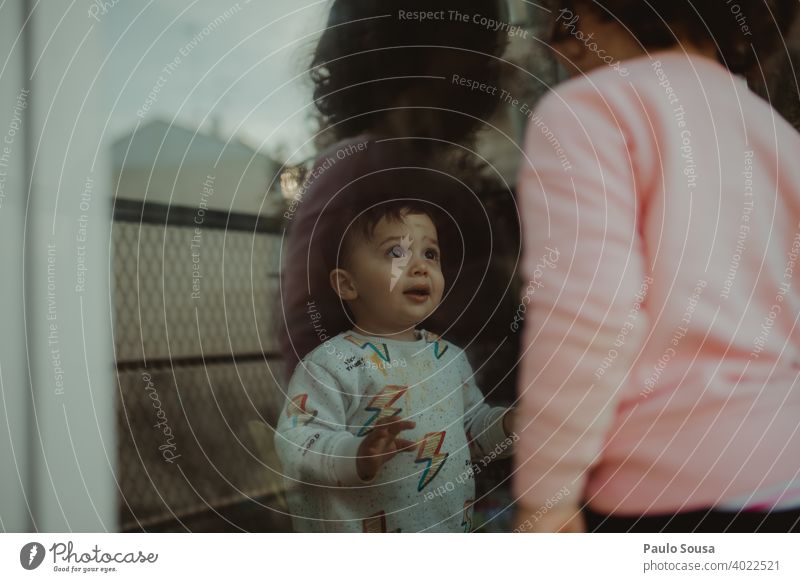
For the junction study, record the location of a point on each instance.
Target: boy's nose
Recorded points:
(418, 266)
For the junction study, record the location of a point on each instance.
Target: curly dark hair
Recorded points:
(743, 31)
(373, 56)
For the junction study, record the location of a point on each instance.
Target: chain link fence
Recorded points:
(195, 336)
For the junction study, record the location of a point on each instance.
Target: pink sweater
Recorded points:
(661, 346)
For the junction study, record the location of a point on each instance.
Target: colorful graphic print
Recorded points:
(381, 406)
(439, 345)
(296, 411)
(466, 522)
(429, 448)
(382, 354)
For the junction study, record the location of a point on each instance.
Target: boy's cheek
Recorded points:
(441, 286)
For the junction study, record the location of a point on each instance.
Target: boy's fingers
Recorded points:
(405, 446)
(383, 436)
(388, 421)
(400, 425)
(391, 427)
(380, 428)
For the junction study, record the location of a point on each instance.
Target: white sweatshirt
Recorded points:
(336, 395)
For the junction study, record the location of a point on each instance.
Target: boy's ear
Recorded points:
(343, 285)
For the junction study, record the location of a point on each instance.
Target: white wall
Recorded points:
(67, 448)
(14, 386)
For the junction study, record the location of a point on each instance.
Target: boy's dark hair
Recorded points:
(743, 32)
(369, 55)
(363, 225)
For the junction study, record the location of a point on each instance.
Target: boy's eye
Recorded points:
(396, 252)
(432, 254)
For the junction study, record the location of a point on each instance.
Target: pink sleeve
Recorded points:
(583, 266)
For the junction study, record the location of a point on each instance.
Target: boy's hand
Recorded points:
(510, 421)
(381, 444)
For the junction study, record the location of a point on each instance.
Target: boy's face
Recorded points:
(394, 279)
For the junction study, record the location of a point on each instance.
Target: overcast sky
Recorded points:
(283, 37)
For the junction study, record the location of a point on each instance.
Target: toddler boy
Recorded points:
(382, 421)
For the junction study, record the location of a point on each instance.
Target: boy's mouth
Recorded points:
(418, 292)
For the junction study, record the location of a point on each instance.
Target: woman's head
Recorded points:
(740, 33)
(402, 54)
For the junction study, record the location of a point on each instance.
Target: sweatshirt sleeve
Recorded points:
(312, 439)
(482, 423)
(583, 266)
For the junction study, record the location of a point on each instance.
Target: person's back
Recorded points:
(718, 207)
(663, 355)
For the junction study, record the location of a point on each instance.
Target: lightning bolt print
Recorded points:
(296, 411)
(429, 453)
(439, 345)
(382, 354)
(381, 406)
(466, 522)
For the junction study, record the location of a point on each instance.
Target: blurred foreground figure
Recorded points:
(659, 383)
